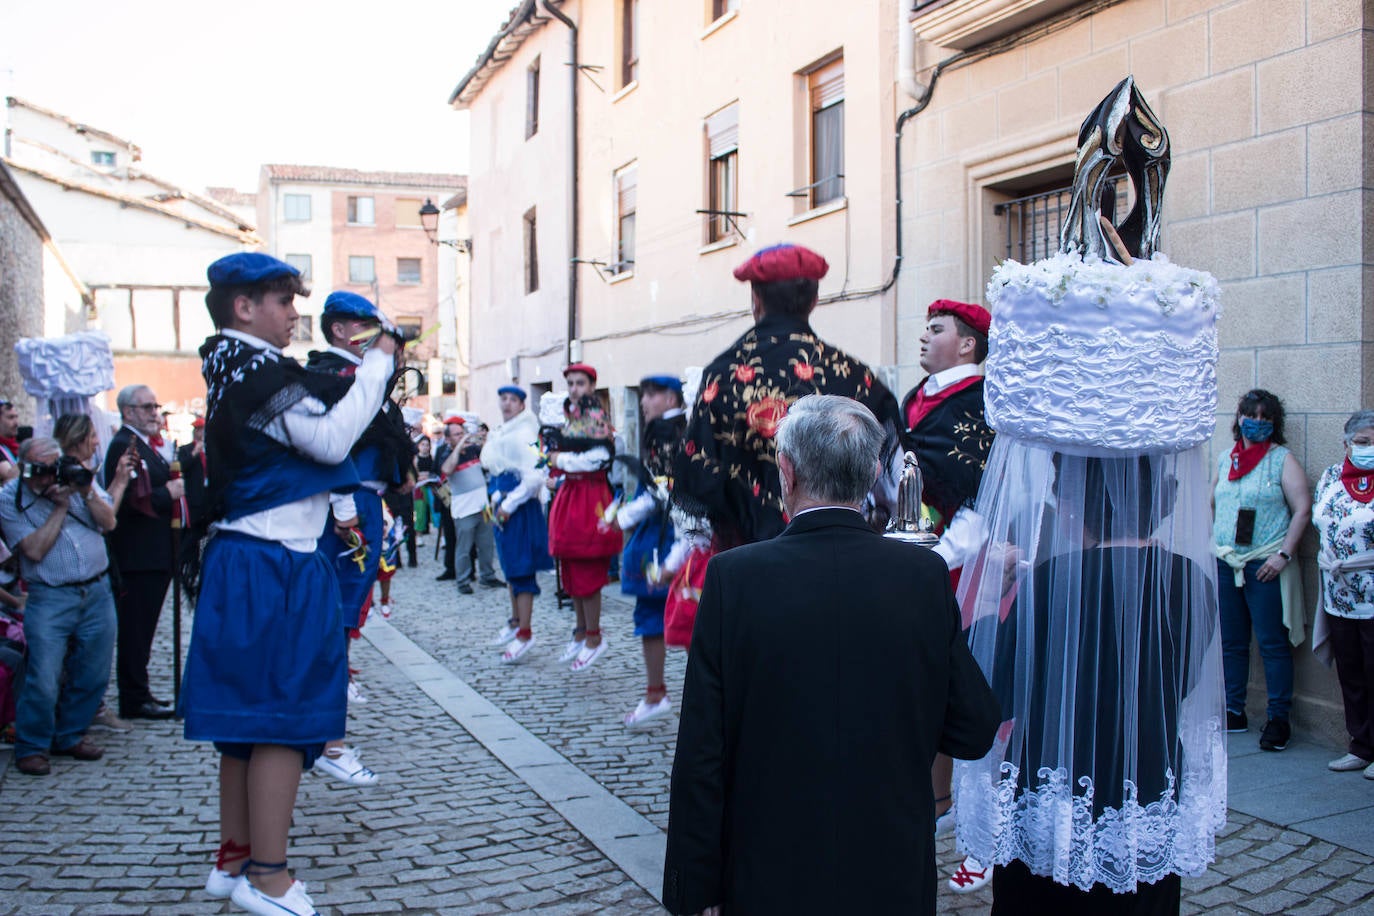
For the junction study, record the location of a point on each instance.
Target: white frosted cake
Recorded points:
(1097, 355)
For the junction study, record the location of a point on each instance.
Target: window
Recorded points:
(722, 179)
(1030, 222)
(361, 269)
(410, 328)
(296, 208)
(626, 194)
(103, 158)
(629, 41)
(361, 211)
(531, 252)
(302, 263)
(304, 332)
(825, 88)
(408, 213)
(721, 7)
(532, 99)
(408, 271)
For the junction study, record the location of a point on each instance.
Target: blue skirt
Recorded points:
(522, 543)
(355, 584)
(654, 533)
(268, 661)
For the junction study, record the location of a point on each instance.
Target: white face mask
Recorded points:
(1362, 456)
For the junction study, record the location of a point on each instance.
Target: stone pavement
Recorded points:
(517, 789)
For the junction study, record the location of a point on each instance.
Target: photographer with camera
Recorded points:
(55, 516)
(142, 550)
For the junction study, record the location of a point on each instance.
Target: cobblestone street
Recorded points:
(502, 790)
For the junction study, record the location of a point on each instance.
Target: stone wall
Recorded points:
(21, 297)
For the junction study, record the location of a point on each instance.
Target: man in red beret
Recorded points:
(727, 471)
(945, 427)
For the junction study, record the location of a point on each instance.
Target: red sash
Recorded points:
(1243, 460)
(923, 404)
(1358, 483)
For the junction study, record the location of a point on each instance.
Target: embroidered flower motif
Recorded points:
(708, 394)
(744, 373)
(690, 447)
(765, 415)
(803, 371)
(756, 488)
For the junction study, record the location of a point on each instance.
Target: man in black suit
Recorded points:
(194, 473)
(827, 668)
(141, 547)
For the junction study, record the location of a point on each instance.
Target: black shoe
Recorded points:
(464, 589)
(161, 702)
(412, 564)
(1236, 722)
(148, 710)
(493, 582)
(1275, 735)
(447, 575)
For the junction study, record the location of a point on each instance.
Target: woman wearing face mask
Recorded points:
(1261, 507)
(1343, 514)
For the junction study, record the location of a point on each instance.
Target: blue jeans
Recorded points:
(50, 713)
(1258, 606)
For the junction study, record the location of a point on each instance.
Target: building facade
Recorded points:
(916, 143)
(358, 231)
(139, 243)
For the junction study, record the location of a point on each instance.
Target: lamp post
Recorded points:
(429, 220)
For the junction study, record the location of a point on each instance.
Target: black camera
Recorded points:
(68, 472)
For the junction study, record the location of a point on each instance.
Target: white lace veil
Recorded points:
(1093, 615)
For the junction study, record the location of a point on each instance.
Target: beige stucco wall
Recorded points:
(1264, 101)
(688, 70)
(509, 174)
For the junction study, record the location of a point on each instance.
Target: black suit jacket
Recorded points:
(827, 668)
(140, 542)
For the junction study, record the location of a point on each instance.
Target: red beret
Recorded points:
(782, 262)
(454, 418)
(975, 316)
(585, 369)
(198, 423)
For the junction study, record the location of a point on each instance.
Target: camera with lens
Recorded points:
(68, 471)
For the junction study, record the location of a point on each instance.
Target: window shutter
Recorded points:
(722, 131)
(827, 85)
(627, 191)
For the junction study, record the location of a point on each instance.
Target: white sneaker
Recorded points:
(386, 608)
(1348, 763)
(516, 650)
(355, 695)
(970, 876)
(346, 768)
(505, 636)
(570, 651)
(221, 883)
(646, 712)
(295, 901)
(944, 824)
(1369, 771)
(588, 656)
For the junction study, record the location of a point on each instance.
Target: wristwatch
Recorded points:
(1285, 554)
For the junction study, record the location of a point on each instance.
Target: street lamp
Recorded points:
(429, 220)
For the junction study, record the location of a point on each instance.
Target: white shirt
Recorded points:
(943, 379)
(321, 433)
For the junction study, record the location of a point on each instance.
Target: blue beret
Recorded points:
(671, 382)
(513, 389)
(349, 305)
(248, 267)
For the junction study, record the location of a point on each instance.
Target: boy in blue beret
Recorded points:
(266, 674)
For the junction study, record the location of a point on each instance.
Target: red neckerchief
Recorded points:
(1243, 460)
(11, 446)
(923, 404)
(155, 440)
(1358, 483)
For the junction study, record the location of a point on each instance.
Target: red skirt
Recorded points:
(584, 578)
(576, 528)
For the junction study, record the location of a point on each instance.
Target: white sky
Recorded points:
(211, 91)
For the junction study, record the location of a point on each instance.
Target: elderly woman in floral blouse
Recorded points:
(1344, 517)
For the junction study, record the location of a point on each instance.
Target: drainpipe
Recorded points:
(906, 52)
(573, 196)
